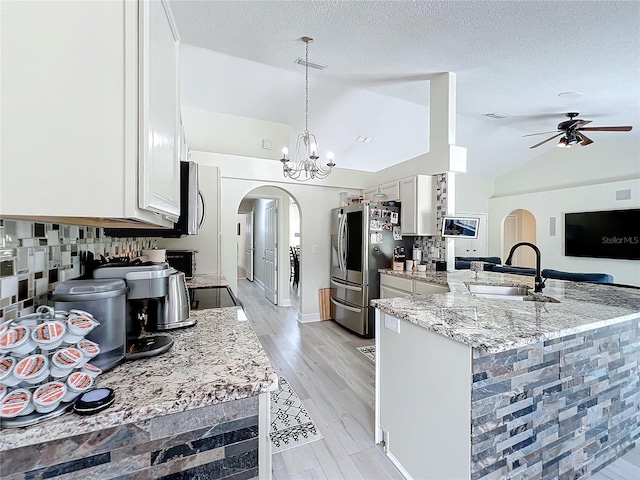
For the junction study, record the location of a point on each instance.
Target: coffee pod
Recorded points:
(7, 378)
(64, 361)
(32, 369)
(48, 396)
(16, 340)
(77, 383)
(48, 335)
(89, 350)
(16, 404)
(3, 392)
(78, 326)
(91, 370)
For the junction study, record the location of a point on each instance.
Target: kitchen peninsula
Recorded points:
(201, 409)
(545, 386)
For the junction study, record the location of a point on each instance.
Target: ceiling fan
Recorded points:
(572, 129)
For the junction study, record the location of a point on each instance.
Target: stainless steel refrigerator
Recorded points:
(363, 237)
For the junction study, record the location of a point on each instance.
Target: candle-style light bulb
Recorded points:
(330, 163)
(285, 151)
(314, 149)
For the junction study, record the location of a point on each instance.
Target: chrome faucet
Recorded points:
(539, 283)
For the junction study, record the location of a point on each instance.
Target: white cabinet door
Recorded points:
(408, 204)
(391, 191)
(422, 288)
(159, 187)
(388, 292)
(417, 205)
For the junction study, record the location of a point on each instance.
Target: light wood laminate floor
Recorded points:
(336, 384)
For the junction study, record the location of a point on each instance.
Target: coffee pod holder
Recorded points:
(42, 314)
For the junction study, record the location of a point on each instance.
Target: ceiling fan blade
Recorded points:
(541, 133)
(607, 129)
(547, 140)
(581, 123)
(585, 140)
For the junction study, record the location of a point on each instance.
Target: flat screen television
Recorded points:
(465, 227)
(604, 234)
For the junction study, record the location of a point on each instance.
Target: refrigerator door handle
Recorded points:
(341, 252)
(343, 238)
(346, 307)
(344, 285)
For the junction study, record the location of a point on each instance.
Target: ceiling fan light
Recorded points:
(563, 143)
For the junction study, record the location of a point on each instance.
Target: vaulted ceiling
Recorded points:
(512, 58)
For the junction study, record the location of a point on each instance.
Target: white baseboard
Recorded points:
(259, 283)
(309, 317)
(397, 464)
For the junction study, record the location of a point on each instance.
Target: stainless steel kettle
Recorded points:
(176, 312)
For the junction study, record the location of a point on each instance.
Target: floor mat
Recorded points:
(369, 351)
(291, 424)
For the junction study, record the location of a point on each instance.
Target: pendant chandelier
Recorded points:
(304, 165)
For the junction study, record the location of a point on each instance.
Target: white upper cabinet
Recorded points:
(391, 191)
(417, 205)
(388, 192)
(90, 112)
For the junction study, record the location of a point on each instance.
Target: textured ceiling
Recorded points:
(510, 57)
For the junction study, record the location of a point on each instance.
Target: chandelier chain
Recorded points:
(306, 88)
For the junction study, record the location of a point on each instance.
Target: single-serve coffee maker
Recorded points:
(157, 300)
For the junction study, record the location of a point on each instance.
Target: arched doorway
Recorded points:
(519, 226)
(264, 228)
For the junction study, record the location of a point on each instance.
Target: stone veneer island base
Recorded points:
(199, 411)
(466, 392)
(217, 441)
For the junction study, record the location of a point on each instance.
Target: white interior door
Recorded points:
(271, 251)
(249, 245)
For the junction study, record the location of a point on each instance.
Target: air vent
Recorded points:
(623, 194)
(496, 116)
(316, 65)
(363, 139)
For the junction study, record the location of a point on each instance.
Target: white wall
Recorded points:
(611, 157)
(555, 203)
(472, 193)
(219, 132)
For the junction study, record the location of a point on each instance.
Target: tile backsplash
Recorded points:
(435, 247)
(35, 257)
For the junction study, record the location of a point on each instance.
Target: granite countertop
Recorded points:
(495, 325)
(207, 280)
(218, 360)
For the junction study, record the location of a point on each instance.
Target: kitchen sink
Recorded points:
(499, 291)
(505, 292)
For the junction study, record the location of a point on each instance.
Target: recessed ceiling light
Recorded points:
(319, 66)
(363, 139)
(570, 94)
(497, 116)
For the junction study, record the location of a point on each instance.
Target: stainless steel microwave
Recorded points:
(192, 210)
